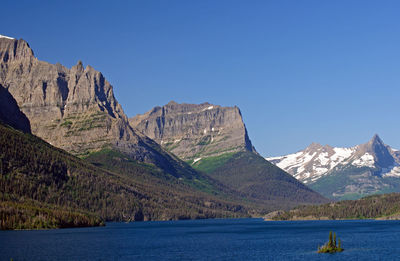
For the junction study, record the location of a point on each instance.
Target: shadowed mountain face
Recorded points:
(193, 131)
(75, 109)
(10, 113)
(353, 172)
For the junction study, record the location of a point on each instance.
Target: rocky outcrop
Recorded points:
(73, 109)
(10, 113)
(193, 131)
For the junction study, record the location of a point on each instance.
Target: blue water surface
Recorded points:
(223, 239)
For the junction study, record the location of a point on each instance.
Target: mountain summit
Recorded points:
(214, 140)
(195, 131)
(75, 109)
(368, 168)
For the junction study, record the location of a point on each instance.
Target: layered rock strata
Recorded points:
(193, 131)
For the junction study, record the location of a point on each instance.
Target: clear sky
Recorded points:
(300, 71)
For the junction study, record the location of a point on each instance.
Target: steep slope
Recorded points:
(195, 131)
(35, 174)
(214, 140)
(75, 109)
(258, 179)
(353, 172)
(10, 113)
(25, 213)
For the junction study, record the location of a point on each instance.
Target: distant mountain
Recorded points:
(369, 168)
(214, 140)
(194, 131)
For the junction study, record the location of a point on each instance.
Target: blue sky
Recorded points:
(300, 71)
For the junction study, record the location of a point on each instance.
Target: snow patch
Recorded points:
(320, 170)
(178, 140)
(366, 160)
(196, 160)
(392, 172)
(323, 158)
(3, 36)
(208, 108)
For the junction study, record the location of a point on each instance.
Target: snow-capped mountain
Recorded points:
(359, 170)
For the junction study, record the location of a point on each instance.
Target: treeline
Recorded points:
(34, 215)
(33, 170)
(371, 207)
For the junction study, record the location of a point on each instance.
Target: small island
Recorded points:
(331, 246)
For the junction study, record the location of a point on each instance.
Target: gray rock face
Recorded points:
(10, 113)
(73, 109)
(193, 131)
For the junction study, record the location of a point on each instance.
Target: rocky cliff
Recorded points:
(73, 109)
(194, 131)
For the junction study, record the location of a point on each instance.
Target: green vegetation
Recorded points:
(83, 122)
(66, 124)
(36, 215)
(334, 185)
(210, 164)
(257, 179)
(37, 179)
(202, 188)
(370, 207)
(205, 140)
(331, 246)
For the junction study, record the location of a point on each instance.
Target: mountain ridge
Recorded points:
(75, 109)
(374, 162)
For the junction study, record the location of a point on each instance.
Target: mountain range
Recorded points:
(344, 173)
(214, 140)
(201, 163)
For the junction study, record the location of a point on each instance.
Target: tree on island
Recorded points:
(331, 246)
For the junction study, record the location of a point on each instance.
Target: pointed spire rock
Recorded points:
(376, 139)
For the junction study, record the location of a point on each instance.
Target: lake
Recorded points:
(223, 239)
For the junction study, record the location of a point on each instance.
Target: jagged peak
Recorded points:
(376, 139)
(314, 146)
(78, 67)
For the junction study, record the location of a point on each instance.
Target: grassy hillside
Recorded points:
(32, 171)
(257, 179)
(377, 206)
(208, 165)
(352, 183)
